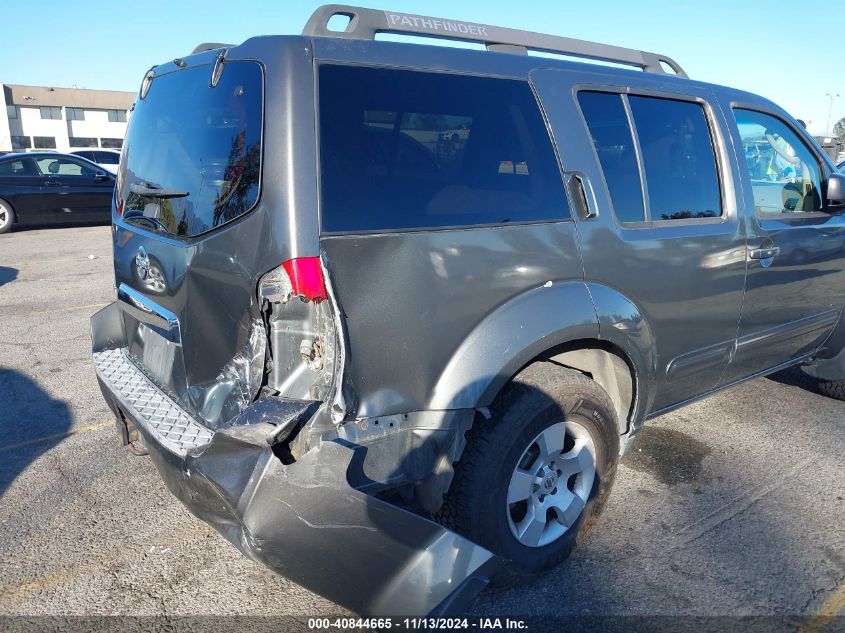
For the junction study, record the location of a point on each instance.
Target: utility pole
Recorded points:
(830, 96)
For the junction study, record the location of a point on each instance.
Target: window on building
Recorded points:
(82, 141)
(21, 142)
(51, 112)
(117, 116)
(678, 159)
(13, 112)
(75, 114)
(614, 144)
(404, 150)
(44, 142)
(785, 175)
(111, 143)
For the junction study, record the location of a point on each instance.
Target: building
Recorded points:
(63, 119)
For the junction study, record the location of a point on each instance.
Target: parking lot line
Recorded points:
(57, 436)
(90, 305)
(833, 606)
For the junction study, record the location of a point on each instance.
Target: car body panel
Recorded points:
(439, 294)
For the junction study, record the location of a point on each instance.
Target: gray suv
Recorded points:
(388, 314)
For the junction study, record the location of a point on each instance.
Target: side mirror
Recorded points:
(100, 175)
(836, 192)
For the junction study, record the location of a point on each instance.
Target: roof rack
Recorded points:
(364, 24)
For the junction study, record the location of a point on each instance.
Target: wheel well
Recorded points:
(604, 363)
(10, 207)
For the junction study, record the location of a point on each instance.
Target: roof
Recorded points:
(68, 97)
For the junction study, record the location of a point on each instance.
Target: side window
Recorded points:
(52, 166)
(406, 149)
(678, 159)
(607, 121)
(785, 175)
(13, 168)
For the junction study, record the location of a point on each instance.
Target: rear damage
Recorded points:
(231, 367)
(310, 519)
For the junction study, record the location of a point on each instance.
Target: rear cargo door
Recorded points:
(187, 250)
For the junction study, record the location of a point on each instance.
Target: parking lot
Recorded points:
(733, 506)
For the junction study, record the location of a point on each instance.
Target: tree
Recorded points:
(839, 130)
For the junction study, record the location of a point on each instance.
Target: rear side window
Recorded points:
(199, 145)
(406, 150)
(678, 159)
(614, 144)
(16, 168)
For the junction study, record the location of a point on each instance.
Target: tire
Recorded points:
(533, 405)
(7, 216)
(833, 388)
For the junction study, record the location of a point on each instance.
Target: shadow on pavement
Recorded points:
(794, 377)
(7, 274)
(31, 423)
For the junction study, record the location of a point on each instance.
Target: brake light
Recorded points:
(306, 278)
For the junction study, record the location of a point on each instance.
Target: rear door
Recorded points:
(661, 226)
(796, 247)
(74, 190)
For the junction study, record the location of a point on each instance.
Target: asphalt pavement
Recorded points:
(733, 506)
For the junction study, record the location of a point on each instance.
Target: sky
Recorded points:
(791, 53)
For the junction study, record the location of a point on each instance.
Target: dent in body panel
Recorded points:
(411, 300)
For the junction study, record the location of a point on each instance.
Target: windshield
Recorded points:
(200, 141)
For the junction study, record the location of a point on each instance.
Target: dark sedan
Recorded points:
(52, 188)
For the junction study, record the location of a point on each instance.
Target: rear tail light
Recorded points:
(299, 277)
(306, 278)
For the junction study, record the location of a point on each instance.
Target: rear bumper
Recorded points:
(303, 520)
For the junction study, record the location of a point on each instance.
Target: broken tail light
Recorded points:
(302, 333)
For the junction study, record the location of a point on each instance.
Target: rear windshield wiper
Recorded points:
(146, 189)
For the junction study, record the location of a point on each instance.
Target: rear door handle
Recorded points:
(582, 190)
(764, 253)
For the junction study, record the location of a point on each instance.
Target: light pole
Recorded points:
(830, 96)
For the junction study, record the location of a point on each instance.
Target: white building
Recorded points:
(62, 119)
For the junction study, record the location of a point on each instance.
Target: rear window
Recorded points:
(199, 146)
(406, 150)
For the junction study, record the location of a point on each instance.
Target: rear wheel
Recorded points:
(533, 480)
(7, 216)
(833, 388)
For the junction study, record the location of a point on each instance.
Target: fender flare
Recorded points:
(537, 321)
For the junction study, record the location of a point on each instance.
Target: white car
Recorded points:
(108, 159)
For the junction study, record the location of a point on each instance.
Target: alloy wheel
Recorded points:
(551, 483)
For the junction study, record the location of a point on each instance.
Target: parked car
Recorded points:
(52, 188)
(108, 159)
(434, 388)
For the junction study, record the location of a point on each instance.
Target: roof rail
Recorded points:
(209, 46)
(364, 24)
